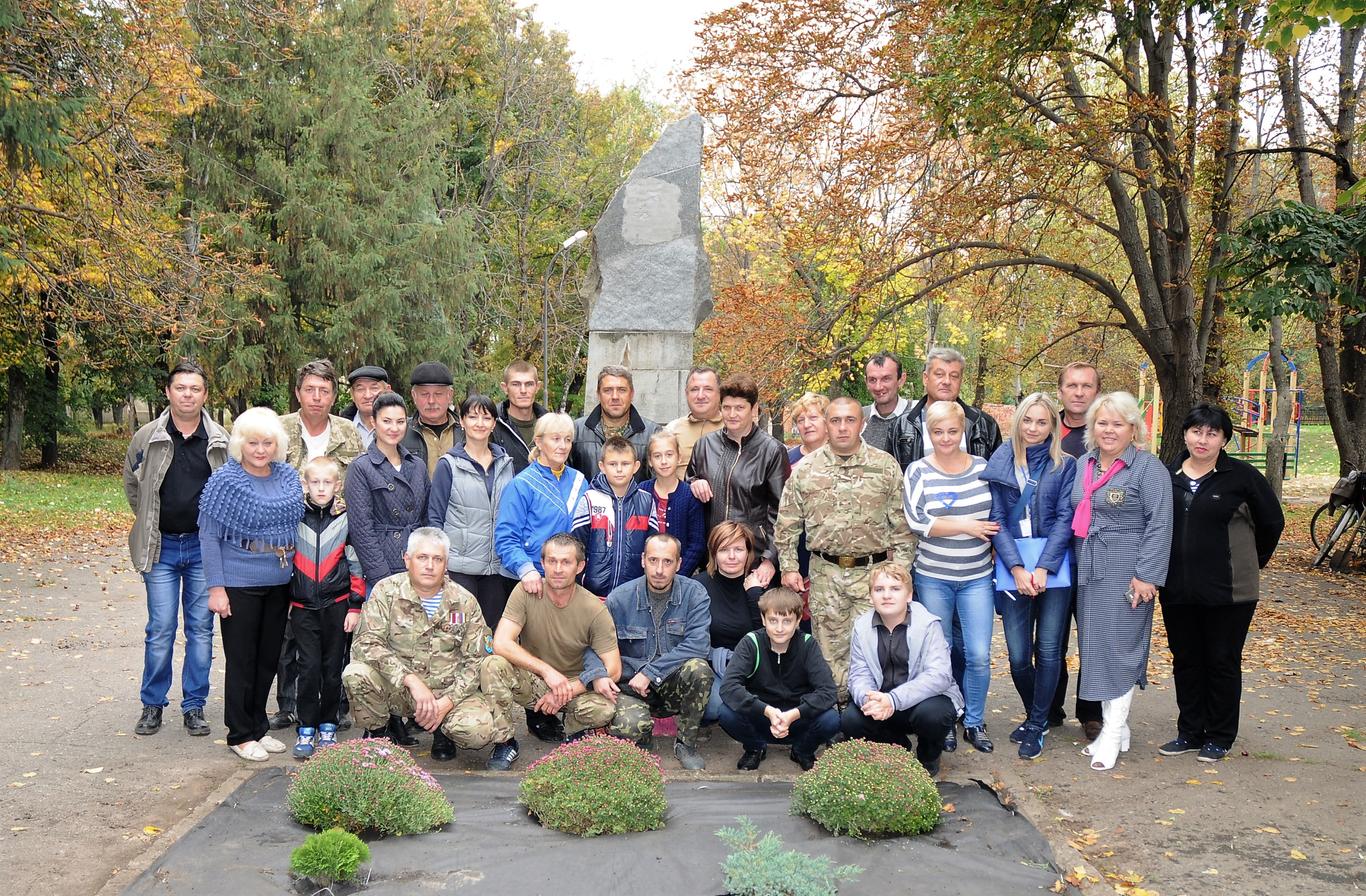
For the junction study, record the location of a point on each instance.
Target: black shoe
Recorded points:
(150, 723)
(978, 738)
(951, 740)
(195, 726)
(581, 734)
(931, 766)
(751, 759)
(1212, 752)
(443, 748)
(398, 733)
(839, 738)
(544, 726)
(377, 733)
(1177, 746)
(283, 719)
(1055, 719)
(344, 723)
(502, 757)
(805, 760)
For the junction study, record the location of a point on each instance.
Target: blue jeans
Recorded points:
(177, 578)
(967, 610)
(806, 737)
(1034, 628)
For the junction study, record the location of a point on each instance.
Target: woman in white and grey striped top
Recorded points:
(947, 504)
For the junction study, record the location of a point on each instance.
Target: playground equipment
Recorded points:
(1255, 411)
(1151, 406)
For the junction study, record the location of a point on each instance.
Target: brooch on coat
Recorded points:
(1115, 497)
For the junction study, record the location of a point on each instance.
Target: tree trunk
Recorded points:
(117, 410)
(980, 386)
(52, 387)
(1280, 425)
(16, 399)
(97, 414)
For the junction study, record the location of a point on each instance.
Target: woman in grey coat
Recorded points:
(386, 494)
(466, 489)
(1122, 523)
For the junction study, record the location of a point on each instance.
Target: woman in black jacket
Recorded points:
(734, 590)
(1226, 527)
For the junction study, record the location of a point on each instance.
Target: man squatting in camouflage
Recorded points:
(417, 653)
(846, 496)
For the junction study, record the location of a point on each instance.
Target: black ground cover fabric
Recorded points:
(242, 848)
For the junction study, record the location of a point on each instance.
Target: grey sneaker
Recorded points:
(503, 756)
(688, 757)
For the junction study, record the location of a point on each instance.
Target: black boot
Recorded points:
(443, 748)
(544, 726)
(398, 733)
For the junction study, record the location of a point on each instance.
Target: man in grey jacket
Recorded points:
(900, 679)
(615, 415)
(167, 464)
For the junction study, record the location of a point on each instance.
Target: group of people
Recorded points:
(455, 568)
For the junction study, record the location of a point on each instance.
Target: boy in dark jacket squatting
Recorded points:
(325, 597)
(778, 688)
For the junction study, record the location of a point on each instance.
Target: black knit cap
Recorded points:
(431, 373)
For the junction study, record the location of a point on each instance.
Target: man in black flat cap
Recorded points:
(434, 429)
(366, 384)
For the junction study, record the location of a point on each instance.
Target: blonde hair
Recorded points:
(1017, 445)
(550, 423)
(809, 401)
(662, 435)
(1123, 404)
(892, 570)
(323, 463)
(261, 423)
(940, 411)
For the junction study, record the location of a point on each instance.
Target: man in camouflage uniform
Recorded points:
(540, 642)
(663, 623)
(417, 653)
(846, 496)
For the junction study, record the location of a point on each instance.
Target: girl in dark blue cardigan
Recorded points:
(680, 514)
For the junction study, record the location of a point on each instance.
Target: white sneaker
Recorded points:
(271, 745)
(252, 751)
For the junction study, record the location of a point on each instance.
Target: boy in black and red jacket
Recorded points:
(325, 599)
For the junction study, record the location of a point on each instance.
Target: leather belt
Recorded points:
(846, 562)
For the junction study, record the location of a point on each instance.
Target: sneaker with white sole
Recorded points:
(303, 747)
(503, 756)
(327, 735)
(1212, 752)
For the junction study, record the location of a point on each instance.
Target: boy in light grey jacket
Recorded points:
(900, 678)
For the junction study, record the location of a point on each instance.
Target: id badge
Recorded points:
(1026, 528)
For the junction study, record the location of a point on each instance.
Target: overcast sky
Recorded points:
(628, 41)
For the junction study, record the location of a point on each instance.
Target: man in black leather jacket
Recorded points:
(943, 379)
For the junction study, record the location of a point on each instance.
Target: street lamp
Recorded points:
(545, 314)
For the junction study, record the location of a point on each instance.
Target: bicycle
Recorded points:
(1340, 524)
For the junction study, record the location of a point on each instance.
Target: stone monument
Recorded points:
(650, 281)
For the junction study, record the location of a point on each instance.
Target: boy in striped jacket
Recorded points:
(324, 603)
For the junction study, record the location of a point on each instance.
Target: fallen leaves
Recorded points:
(1297, 855)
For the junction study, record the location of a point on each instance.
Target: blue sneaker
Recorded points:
(1018, 735)
(503, 756)
(1177, 746)
(1031, 744)
(303, 747)
(327, 735)
(1212, 752)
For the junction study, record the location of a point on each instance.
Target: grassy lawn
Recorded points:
(46, 499)
(1318, 454)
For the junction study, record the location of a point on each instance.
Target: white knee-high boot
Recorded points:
(1114, 735)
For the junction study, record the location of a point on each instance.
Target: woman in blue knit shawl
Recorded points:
(249, 513)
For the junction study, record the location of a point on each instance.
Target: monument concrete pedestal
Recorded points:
(650, 280)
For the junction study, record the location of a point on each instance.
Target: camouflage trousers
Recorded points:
(473, 723)
(838, 597)
(510, 687)
(683, 694)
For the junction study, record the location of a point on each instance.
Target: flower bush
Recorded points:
(368, 785)
(867, 789)
(331, 857)
(761, 867)
(597, 785)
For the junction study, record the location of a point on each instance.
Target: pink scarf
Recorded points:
(1081, 521)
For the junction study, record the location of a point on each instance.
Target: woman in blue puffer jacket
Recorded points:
(1031, 488)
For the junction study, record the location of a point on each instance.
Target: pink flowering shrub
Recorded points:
(597, 785)
(867, 789)
(368, 785)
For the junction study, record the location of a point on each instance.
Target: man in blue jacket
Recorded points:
(663, 625)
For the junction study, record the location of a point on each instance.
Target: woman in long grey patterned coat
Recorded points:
(1123, 526)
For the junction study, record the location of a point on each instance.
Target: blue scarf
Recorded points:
(232, 499)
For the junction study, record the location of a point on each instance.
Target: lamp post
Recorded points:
(545, 314)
